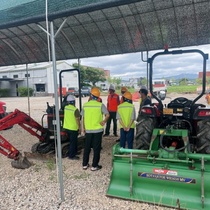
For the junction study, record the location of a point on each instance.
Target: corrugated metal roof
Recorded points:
(100, 27)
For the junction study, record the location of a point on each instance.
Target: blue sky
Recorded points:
(130, 65)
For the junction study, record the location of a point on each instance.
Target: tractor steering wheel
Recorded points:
(180, 100)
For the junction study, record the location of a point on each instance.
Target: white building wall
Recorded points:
(69, 79)
(41, 73)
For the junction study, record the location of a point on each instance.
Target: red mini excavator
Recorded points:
(46, 135)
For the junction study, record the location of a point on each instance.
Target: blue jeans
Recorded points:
(126, 136)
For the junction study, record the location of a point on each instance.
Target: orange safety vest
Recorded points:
(208, 98)
(112, 102)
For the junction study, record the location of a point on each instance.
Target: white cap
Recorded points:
(112, 87)
(143, 87)
(70, 98)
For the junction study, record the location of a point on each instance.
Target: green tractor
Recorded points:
(170, 165)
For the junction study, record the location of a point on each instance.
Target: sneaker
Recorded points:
(96, 168)
(118, 140)
(85, 167)
(105, 135)
(74, 158)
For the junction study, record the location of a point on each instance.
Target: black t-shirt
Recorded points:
(146, 101)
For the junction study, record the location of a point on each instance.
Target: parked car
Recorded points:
(85, 91)
(72, 90)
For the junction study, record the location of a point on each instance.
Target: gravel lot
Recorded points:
(38, 187)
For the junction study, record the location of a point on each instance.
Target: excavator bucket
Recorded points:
(150, 176)
(21, 163)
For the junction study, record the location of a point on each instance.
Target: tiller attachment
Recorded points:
(167, 174)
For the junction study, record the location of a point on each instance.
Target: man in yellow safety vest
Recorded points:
(93, 124)
(72, 126)
(126, 115)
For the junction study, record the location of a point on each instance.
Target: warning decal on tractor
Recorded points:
(167, 177)
(164, 171)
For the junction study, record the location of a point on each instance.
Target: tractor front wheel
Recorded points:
(144, 129)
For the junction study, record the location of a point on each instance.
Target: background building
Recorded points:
(39, 77)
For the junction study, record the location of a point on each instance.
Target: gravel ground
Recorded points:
(38, 187)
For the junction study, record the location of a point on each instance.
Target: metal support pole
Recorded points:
(52, 38)
(142, 58)
(29, 112)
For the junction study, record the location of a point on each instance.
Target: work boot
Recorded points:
(96, 168)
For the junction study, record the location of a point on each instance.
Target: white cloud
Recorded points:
(130, 65)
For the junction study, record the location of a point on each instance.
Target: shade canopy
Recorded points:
(99, 27)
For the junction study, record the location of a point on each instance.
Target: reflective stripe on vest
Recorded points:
(93, 115)
(125, 111)
(113, 102)
(70, 122)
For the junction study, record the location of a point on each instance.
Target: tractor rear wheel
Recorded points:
(203, 135)
(144, 129)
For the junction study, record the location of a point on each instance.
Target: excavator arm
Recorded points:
(27, 123)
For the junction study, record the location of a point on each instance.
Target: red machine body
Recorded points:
(27, 123)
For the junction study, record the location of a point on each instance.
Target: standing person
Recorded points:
(208, 98)
(126, 114)
(72, 125)
(145, 99)
(112, 103)
(123, 90)
(93, 123)
(99, 99)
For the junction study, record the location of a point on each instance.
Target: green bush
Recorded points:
(4, 92)
(182, 89)
(23, 91)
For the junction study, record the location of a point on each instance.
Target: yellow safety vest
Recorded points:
(70, 122)
(93, 115)
(125, 111)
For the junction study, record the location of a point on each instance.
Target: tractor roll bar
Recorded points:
(175, 52)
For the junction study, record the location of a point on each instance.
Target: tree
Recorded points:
(144, 81)
(110, 80)
(183, 81)
(89, 74)
(199, 81)
(94, 75)
(115, 81)
(82, 73)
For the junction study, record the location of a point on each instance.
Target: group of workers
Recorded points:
(93, 122)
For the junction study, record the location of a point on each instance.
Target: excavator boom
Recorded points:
(27, 123)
